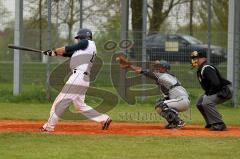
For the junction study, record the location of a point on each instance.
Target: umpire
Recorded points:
(217, 90)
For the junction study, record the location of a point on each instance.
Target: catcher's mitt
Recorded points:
(123, 61)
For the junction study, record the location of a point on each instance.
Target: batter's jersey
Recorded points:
(82, 59)
(168, 84)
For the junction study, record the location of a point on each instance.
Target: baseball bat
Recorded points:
(24, 48)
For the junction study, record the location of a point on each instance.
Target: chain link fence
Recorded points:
(174, 41)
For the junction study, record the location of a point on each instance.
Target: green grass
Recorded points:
(30, 94)
(33, 105)
(43, 146)
(121, 113)
(24, 111)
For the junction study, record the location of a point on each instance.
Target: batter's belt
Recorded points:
(84, 72)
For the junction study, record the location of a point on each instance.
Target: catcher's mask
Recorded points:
(162, 63)
(84, 34)
(195, 55)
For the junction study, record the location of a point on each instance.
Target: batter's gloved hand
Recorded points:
(50, 53)
(123, 61)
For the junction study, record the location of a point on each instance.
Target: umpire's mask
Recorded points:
(195, 55)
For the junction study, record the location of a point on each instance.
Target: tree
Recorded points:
(158, 11)
(6, 34)
(137, 21)
(219, 19)
(6, 37)
(68, 13)
(191, 17)
(4, 12)
(220, 9)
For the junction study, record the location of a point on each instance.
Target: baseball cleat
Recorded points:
(170, 126)
(43, 130)
(180, 124)
(174, 125)
(106, 124)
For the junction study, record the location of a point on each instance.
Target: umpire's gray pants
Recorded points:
(207, 105)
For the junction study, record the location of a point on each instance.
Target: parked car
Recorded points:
(178, 47)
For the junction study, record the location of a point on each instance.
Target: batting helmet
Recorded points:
(84, 34)
(162, 63)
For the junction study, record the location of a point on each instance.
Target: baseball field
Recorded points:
(142, 64)
(136, 132)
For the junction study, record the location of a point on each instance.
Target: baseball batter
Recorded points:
(82, 57)
(175, 96)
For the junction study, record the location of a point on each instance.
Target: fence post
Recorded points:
(233, 47)
(124, 35)
(209, 29)
(17, 64)
(48, 94)
(80, 13)
(144, 32)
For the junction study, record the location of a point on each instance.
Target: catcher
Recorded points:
(175, 96)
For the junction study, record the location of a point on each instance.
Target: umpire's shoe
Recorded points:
(106, 124)
(218, 127)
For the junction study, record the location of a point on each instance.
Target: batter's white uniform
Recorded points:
(75, 89)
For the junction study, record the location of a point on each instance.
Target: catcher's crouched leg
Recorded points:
(170, 115)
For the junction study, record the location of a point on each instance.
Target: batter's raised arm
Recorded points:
(68, 51)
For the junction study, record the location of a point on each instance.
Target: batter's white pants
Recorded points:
(73, 92)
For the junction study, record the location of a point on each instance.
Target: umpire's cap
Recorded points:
(84, 34)
(198, 54)
(162, 63)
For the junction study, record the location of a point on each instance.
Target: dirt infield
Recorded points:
(129, 129)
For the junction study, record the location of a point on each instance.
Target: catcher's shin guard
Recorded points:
(169, 114)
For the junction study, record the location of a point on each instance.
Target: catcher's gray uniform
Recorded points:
(176, 96)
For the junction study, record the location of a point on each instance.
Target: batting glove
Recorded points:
(50, 53)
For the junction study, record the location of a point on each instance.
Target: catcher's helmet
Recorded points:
(84, 34)
(162, 63)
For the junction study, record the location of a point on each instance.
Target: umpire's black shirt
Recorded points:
(210, 79)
